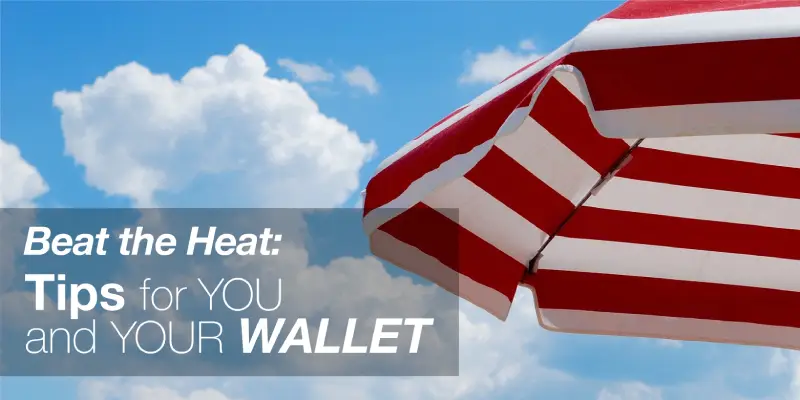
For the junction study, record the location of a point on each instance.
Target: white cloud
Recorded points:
(96, 389)
(779, 363)
(526, 44)
(494, 66)
(360, 77)
(787, 364)
(308, 73)
(20, 185)
(794, 385)
(630, 391)
(225, 129)
(20, 182)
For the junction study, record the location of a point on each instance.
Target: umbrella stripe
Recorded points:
(660, 230)
(778, 150)
(733, 118)
(663, 262)
(667, 298)
(678, 74)
(698, 203)
(712, 173)
(711, 330)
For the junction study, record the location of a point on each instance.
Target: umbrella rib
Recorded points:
(618, 164)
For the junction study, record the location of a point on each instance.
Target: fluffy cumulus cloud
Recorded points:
(360, 77)
(226, 129)
(308, 73)
(494, 66)
(20, 182)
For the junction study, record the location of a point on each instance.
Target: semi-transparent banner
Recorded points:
(213, 292)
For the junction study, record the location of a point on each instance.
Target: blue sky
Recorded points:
(416, 50)
(384, 72)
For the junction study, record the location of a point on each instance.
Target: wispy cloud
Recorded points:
(360, 77)
(307, 73)
(494, 66)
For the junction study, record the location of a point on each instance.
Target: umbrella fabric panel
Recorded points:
(646, 9)
(703, 229)
(510, 199)
(687, 232)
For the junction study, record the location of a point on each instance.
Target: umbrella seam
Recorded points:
(618, 164)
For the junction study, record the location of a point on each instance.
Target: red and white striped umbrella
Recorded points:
(642, 180)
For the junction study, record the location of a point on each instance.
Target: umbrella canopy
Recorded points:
(643, 179)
